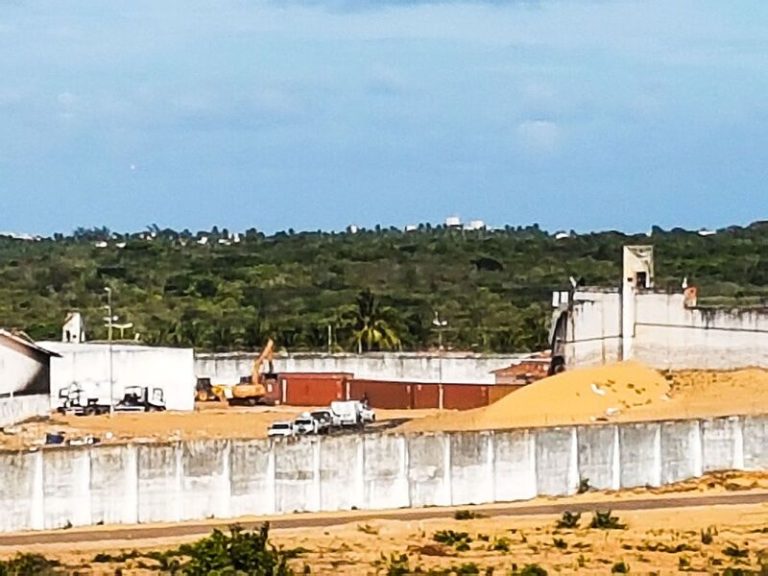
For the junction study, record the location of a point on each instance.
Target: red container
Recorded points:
(313, 389)
(425, 396)
(274, 393)
(497, 392)
(381, 394)
(464, 396)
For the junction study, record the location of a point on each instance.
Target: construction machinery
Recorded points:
(135, 399)
(251, 390)
(141, 399)
(207, 392)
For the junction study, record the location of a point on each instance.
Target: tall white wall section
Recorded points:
(659, 330)
(57, 487)
(400, 366)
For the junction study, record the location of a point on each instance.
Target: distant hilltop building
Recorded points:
(411, 227)
(18, 236)
(453, 222)
(352, 229)
(475, 225)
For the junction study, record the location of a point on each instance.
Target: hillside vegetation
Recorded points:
(377, 289)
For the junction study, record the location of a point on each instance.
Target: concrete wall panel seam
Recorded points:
(38, 493)
(272, 478)
(738, 448)
(616, 463)
(177, 495)
(447, 472)
(317, 484)
(698, 451)
(132, 482)
(657, 454)
(573, 464)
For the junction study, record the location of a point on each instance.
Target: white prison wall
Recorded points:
(657, 329)
(451, 367)
(139, 483)
(172, 369)
(15, 409)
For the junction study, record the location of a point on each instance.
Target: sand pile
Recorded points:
(699, 394)
(578, 396)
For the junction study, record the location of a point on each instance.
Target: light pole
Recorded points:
(110, 319)
(440, 325)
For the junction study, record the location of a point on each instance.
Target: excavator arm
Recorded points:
(250, 392)
(266, 355)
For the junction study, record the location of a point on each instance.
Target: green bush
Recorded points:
(459, 540)
(734, 551)
(620, 568)
(584, 486)
(29, 565)
(500, 544)
(396, 564)
(240, 550)
(530, 570)
(569, 520)
(466, 515)
(604, 521)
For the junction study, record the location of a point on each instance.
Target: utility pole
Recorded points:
(110, 320)
(440, 325)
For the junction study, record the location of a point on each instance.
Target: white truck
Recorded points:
(352, 413)
(281, 430)
(306, 424)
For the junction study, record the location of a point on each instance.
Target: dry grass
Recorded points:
(661, 542)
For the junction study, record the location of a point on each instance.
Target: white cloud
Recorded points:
(539, 136)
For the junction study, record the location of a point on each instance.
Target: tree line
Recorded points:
(370, 290)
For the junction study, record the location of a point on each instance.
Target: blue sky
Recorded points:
(317, 114)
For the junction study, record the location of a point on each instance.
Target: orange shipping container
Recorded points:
(425, 396)
(381, 394)
(313, 389)
(464, 396)
(497, 392)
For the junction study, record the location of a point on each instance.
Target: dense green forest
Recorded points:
(376, 289)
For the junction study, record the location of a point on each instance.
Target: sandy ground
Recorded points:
(617, 393)
(622, 392)
(209, 420)
(654, 541)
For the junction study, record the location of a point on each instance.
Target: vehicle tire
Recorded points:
(252, 401)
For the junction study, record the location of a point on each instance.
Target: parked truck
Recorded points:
(75, 400)
(352, 413)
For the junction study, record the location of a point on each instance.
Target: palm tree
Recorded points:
(372, 329)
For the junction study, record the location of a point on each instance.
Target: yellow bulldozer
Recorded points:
(251, 390)
(207, 392)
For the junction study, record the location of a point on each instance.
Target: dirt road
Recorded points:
(150, 532)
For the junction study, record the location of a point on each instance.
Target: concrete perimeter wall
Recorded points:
(669, 335)
(659, 330)
(50, 488)
(395, 367)
(19, 408)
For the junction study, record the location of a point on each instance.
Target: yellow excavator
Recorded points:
(252, 389)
